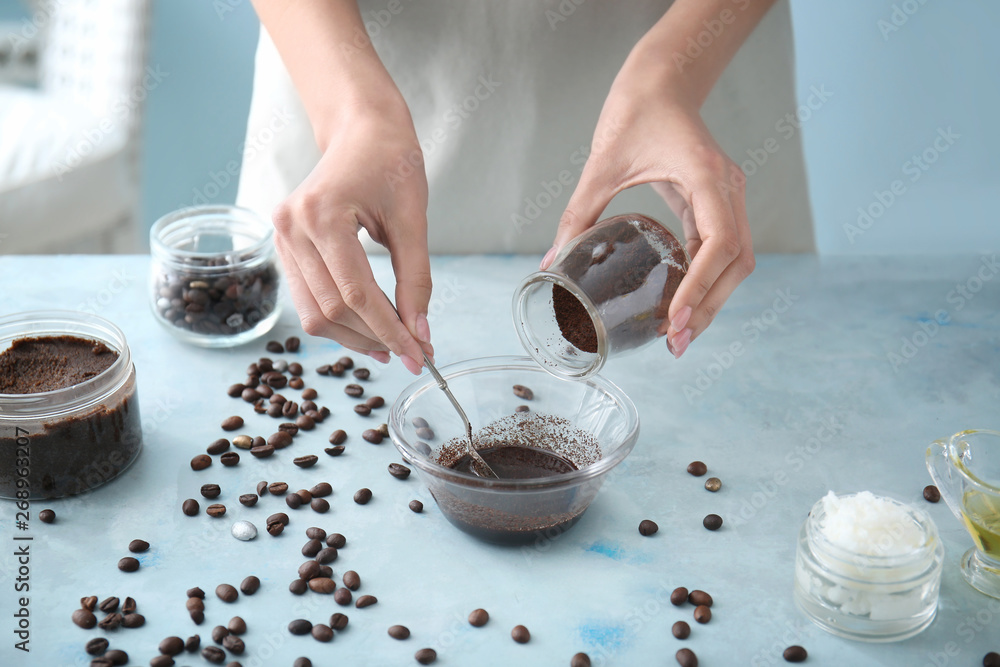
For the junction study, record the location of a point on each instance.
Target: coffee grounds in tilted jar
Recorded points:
(612, 265)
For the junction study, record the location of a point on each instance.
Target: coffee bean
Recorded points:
(375, 402)
(196, 592)
(47, 516)
(419, 422)
(336, 540)
(307, 461)
(243, 442)
(295, 368)
(128, 606)
(108, 605)
(932, 494)
(235, 390)
(250, 585)
(580, 660)
(89, 603)
(117, 657)
(702, 614)
(213, 654)
(112, 621)
(219, 446)
(337, 369)
(310, 395)
(293, 500)
(700, 598)
(478, 618)
(289, 427)
(216, 510)
(320, 490)
(647, 527)
(305, 422)
(289, 409)
(697, 468)
(399, 471)
(320, 505)
(219, 633)
(686, 658)
(232, 423)
(275, 347)
(352, 580)
(262, 451)
(362, 409)
(399, 632)
(372, 436)
(354, 390)
(338, 621)
(278, 488)
(234, 644)
(275, 380)
(799, 654)
(323, 369)
(226, 593)
(681, 630)
(190, 507)
(523, 392)
(304, 494)
(713, 484)
(342, 596)
(248, 499)
(277, 518)
(522, 408)
(195, 604)
(335, 451)
(363, 496)
(98, 646)
(198, 617)
(309, 570)
(302, 662)
(384, 430)
(520, 633)
(712, 522)
(171, 646)
(192, 643)
(416, 506)
(679, 596)
(133, 620)
(322, 633)
(210, 490)
(261, 488)
(311, 548)
(84, 618)
(201, 462)
(426, 433)
(365, 601)
(314, 533)
(298, 587)
(322, 585)
(250, 395)
(991, 659)
(292, 344)
(300, 626)
(128, 564)
(274, 410)
(426, 656)
(260, 407)
(230, 459)
(326, 555)
(338, 437)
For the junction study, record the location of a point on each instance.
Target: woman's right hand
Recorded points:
(371, 175)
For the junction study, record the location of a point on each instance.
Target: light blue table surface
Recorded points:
(815, 360)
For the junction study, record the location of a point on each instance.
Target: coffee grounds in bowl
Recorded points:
(34, 365)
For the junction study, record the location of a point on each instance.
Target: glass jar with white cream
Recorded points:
(868, 567)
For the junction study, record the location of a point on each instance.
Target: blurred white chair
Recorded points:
(69, 148)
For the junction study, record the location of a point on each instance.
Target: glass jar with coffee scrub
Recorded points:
(69, 411)
(606, 293)
(214, 278)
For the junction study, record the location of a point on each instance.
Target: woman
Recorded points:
(491, 105)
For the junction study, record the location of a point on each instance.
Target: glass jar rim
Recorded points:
(252, 222)
(51, 323)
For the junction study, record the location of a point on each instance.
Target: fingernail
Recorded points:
(549, 256)
(410, 364)
(681, 342)
(423, 329)
(681, 318)
(381, 357)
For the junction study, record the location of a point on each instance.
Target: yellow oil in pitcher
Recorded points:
(981, 514)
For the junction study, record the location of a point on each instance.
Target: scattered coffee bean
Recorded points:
(298, 587)
(426, 433)
(399, 632)
(292, 344)
(342, 596)
(686, 658)
(128, 606)
(335, 451)
(305, 422)
(580, 660)
(384, 430)
(198, 617)
(210, 490)
(234, 644)
(346, 362)
(190, 507)
(299, 626)
(250, 395)
(375, 402)
(108, 605)
(399, 471)
(338, 437)
(244, 531)
(478, 618)
(323, 370)
(326, 555)
(337, 370)
(931, 493)
(112, 621)
(289, 427)
(702, 614)
(250, 585)
(249, 499)
(647, 527)
(321, 490)
(419, 422)
(337, 541)
(679, 596)
(293, 500)
(520, 633)
(352, 580)
(322, 633)
(230, 459)
(243, 442)
(321, 505)
(314, 533)
(372, 436)
(426, 656)
(700, 598)
(416, 506)
(195, 604)
(278, 488)
(712, 522)
(365, 601)
(274, 410)
(128, 564)
(354, 390)
(523, 392)
(322, 585)
(261, 488)
(991, 659)
(89, 603)
(201, 462)
(47, 516)
(226, 593)
(232, 423)
(192, 643)
(713, 484)
(363, 496)
(697, 468)
(311, 548)
(216, 510)
(289, 409)
(235, 390)
(99, 645)
(84, 618)
(171, 646)
(295, 368)
(262, 451)
(307, 461)
(275, 529)
(279, 518)
(196, 592)
(219, 446)
(117, 657)
(799, 654)
(213, 654)
(681, 630)
(423, 448)
(219, 633)
(275, 347)
(302, 662)
(523, 408)
(362, 409)
(338, 621)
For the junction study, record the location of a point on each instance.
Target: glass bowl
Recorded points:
(512, 511)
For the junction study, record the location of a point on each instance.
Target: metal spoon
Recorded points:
(479, 465)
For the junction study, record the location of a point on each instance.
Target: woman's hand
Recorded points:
(371, 175)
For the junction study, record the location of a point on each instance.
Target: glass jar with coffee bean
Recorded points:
(214, 279)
